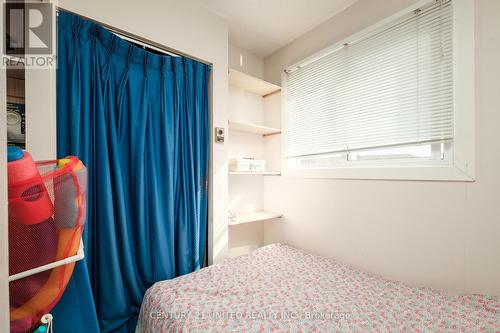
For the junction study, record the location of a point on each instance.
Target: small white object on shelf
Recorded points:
(247, 164)
(253, 128)
(253, 217)
(251, 84)
(261, 173)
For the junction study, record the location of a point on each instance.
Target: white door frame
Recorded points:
(4, 238)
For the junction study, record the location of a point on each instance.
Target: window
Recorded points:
(384, 98)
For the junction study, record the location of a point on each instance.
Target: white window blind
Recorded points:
(392, 87)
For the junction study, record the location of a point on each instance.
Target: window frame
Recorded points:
(461, 166)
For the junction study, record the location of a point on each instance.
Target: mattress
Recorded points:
(278, 288)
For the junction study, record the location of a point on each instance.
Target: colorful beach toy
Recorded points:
(46, 218)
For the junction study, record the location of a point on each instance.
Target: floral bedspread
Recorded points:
(278, 288)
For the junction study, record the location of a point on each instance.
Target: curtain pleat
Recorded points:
(140, 123)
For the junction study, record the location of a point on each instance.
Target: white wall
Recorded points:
(272, 143)
(4, 249)
(40, 104)
(251, 64)
(444, 235)
(190, 29)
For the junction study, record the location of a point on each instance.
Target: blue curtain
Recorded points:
(140, 123)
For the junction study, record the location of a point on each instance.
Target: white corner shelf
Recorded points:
(261, 173)
(254, 217)
(251, 84)
(253, 128)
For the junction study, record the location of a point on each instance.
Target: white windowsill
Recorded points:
(428, 173)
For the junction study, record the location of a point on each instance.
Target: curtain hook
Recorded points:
(130, 55)
(146, 63)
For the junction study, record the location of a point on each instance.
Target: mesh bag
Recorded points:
(46, 219)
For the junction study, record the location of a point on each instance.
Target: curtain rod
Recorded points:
(137, 39)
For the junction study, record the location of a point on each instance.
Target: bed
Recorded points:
(278, 288)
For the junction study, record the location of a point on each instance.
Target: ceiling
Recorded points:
(264, 26)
